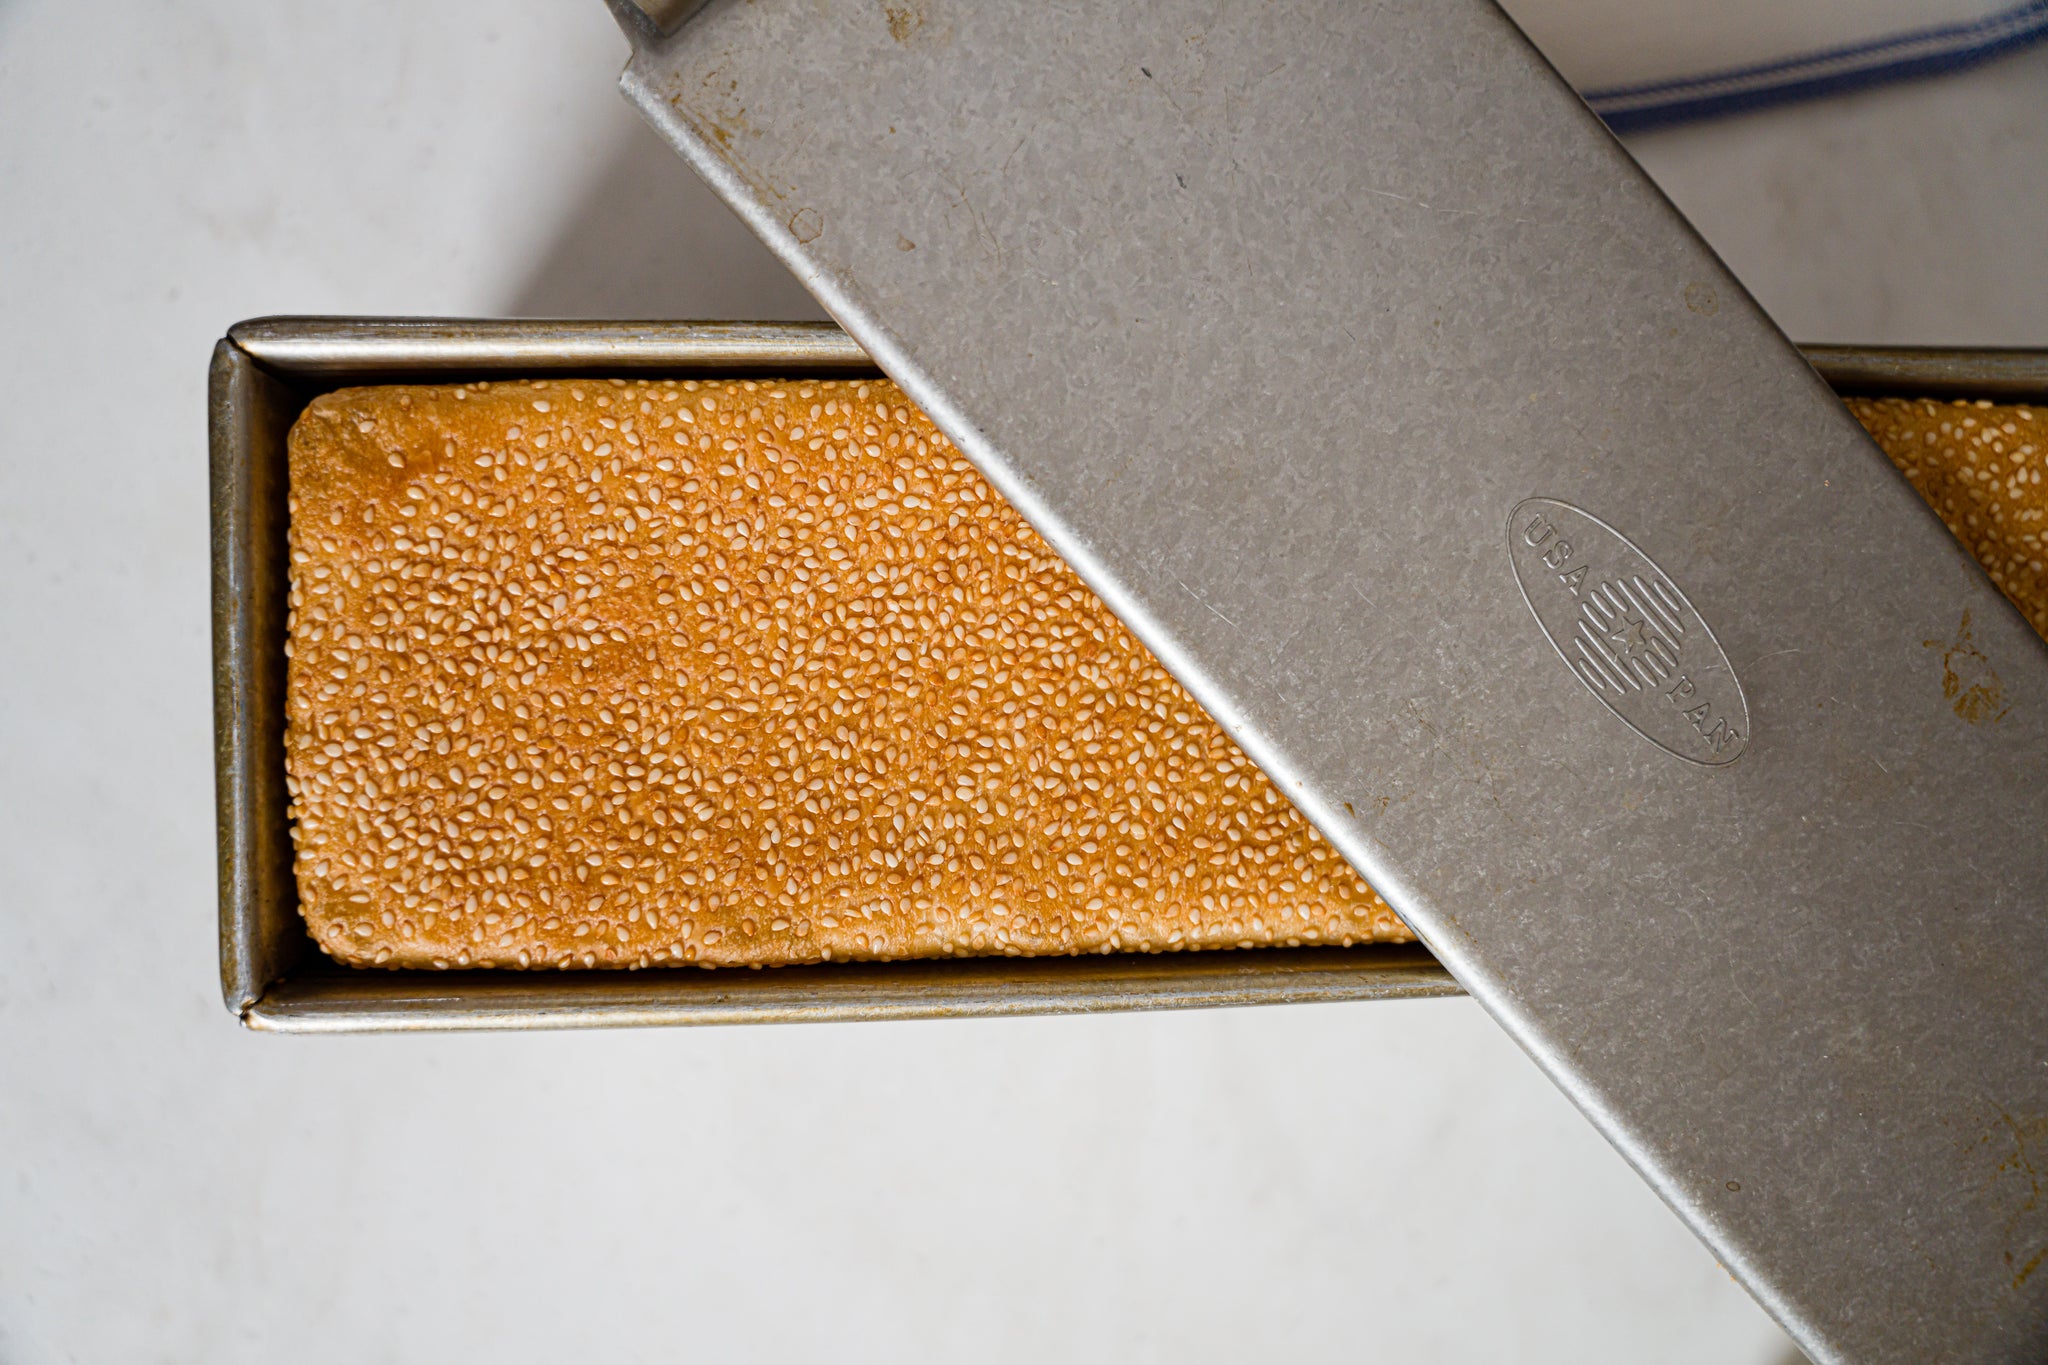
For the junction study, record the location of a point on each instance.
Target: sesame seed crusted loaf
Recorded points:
(608, 674)
(1979, 467)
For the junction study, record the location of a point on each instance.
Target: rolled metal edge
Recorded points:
(2002, 375)
(381, 350)
(960, 988)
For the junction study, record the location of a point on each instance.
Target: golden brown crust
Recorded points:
(1980, 468)
(609, 674)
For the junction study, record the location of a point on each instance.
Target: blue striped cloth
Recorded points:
(1651, 63)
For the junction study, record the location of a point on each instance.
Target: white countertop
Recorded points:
(1381, 1181)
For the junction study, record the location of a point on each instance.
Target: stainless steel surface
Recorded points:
(1267, 317)
(274, 977)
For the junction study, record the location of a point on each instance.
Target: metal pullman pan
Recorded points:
(275, 978)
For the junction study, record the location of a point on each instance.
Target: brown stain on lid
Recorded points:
(1968, 680)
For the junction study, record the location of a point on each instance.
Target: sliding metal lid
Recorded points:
(1364, 375)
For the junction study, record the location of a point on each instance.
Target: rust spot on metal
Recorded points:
(1968, 681)
(904, 20)
(2007, 1142)
(806, 224)
(913, 24)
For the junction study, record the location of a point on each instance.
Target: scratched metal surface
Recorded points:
(1268, 316)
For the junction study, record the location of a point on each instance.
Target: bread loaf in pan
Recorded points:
(611, 674)
(632, 674)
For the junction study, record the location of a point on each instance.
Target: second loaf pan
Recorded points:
(273, 976)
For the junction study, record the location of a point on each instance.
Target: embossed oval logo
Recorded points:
(1627, 632)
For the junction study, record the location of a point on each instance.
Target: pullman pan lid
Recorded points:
(1355, 365)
